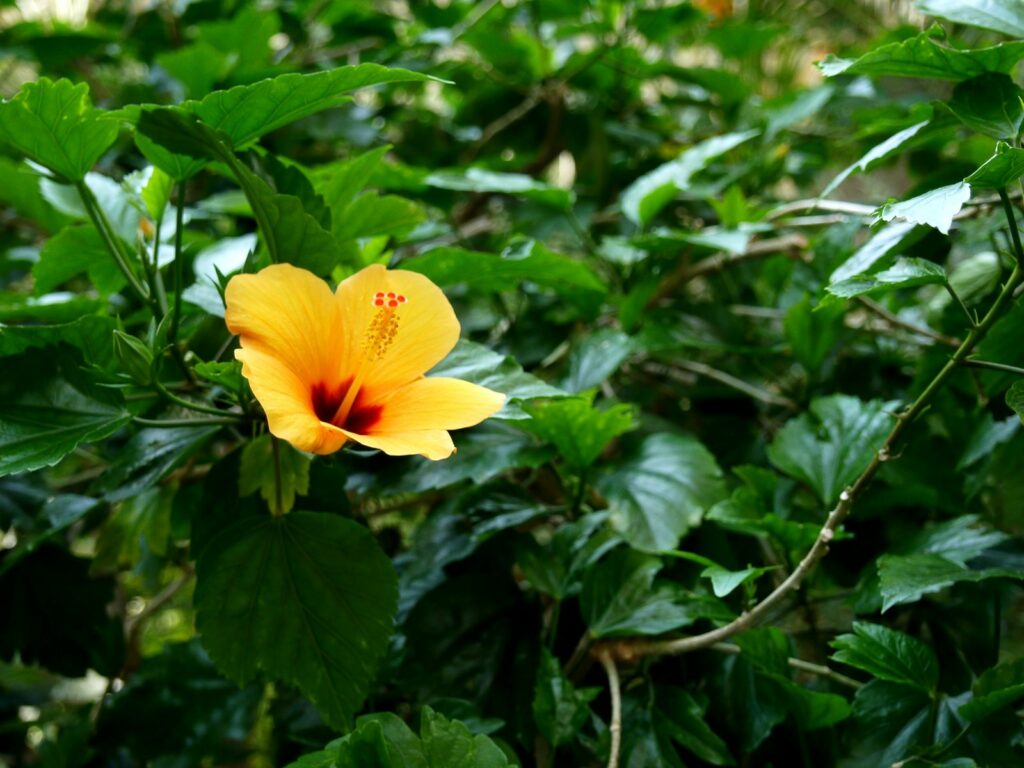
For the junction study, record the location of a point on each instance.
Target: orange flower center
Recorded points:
(326, 402)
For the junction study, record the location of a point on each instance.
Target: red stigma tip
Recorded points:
(379, 302)
(380, 294)
(401, 299)
(392, 303)
(391, 295)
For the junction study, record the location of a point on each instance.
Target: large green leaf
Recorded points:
(244, 113)
(829, 446)
(907, 578)
(92, 334)
(888, 655)
(1003, 16)
(642, 200)
(72, 251)
(662, 489)
(596, 357)
(577, 428)
(149, 456)
(44, 416)
(905, 273)
(620, 597)
(927, 56)
(935, 208)
(527, 261)
(307, 598)
(55, 124)
(991, 104)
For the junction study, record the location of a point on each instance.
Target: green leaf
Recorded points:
(224, 374)
(960, 539)
(893, 721)
(306, 597)
(482, 365)
(371, 215)
(828, 447)
(875, 155)
(140, 525)
(91, 334)
(245, 113)
(646, 196)
(620, 597)
(340, 183)
(935, 208)
(290, 233)
(1000, 170)
(576, 428)
(149, 456)
(997, 688)
(907, 578)
(559, 708)
(905, 273)
(44, 416)
(528, 261)
(72, 251)
(1003, 16)
(925, 56)
(813, 334)
(882, 243)
(596, 357)
(1014, 397)
(679, 716)
(888, 655)
(482, 180)
(724, 581)
(278, 478)
(990, 104)
(55, 124)
(661, 490)
(449, 744)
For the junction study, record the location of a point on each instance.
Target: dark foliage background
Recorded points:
(749, 273)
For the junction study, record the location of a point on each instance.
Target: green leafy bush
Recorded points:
(747, 279)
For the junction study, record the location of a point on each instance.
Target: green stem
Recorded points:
(278, 509)
(102, 225)
(975, 363)
(1011, 220)
(581, 490)
(172, 334)
(183, 422)
(156, 280)
(191, 405)
(972, 319)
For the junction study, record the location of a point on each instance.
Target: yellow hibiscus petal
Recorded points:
(434, 444)
(286, 400)
(398, 326)
(289, 314)
(435, 403)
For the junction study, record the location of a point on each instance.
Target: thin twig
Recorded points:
(975, 363)
(720, 261)
(722, 377)
(615, 727)
(804, 666)
(897, 321)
